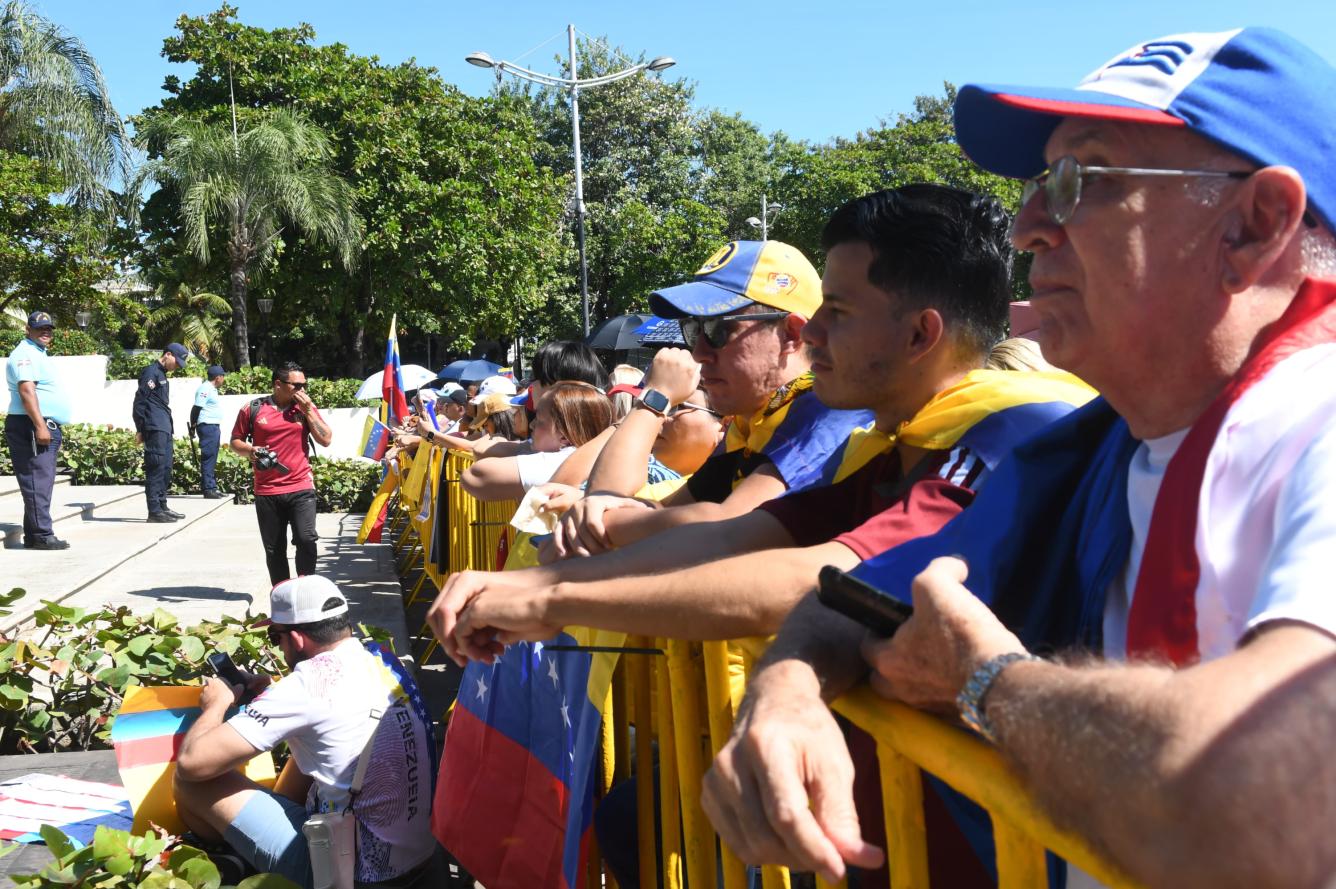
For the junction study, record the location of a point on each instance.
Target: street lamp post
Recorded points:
(574, 84)
(767, 209)
(82, 319)
(266, 305)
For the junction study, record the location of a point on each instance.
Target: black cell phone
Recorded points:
(226, 670)
(875, 609)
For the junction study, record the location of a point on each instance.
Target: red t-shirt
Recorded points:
(282, 431)
(859, 510)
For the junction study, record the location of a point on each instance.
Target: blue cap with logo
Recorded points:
(1256, 91)
(741, 273)
(215, 370)
(40, 319)
(178, 352)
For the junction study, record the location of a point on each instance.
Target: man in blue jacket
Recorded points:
(153, 427)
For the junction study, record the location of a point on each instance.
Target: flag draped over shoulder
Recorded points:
(392, 382)
(514, 802)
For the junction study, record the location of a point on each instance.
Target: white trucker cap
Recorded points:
(302, 600)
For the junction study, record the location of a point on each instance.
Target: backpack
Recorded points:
(253, 409)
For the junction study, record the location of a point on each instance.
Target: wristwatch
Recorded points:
(654, 401)
(970, 700)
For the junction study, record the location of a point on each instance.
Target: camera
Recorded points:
(267, 460)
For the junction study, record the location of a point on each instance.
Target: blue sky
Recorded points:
(813, 70)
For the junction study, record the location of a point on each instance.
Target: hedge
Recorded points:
(103, 456)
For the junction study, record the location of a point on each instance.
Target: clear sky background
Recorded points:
(815, 70)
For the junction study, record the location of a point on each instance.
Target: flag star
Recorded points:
(565, 713)
(538, 649)
(482, 688)
(552, 670)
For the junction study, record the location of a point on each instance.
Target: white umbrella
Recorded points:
(414, 377)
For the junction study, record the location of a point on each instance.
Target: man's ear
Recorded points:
(1268, 213)
(791, 338)
(928, 329)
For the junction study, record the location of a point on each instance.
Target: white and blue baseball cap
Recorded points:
(1256, 91)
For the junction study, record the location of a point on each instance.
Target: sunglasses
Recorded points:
(297, 386)
(718, 330)
(275, 634)
(1061, 183)
(687, 407)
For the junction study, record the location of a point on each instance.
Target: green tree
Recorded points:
(274, 172)
(195, 318)
(54, 106)
(463, 237)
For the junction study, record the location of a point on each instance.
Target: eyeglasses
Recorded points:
(275, 634)
(687, 407)
(718, 330)
(1062, 183)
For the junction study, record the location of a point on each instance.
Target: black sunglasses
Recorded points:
(718, 329)
(293, 385)
(275, 634)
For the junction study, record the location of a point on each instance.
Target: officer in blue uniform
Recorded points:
(206, 419)
(37, 409)
(153, 422)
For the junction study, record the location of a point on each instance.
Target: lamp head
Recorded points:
(753, 222)
(480, 59)
(661, 63)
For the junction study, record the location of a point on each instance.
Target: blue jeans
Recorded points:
(209, 435)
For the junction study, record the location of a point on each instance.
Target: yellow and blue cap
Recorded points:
(40, 319)
(741, 273)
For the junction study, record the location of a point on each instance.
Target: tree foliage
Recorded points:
(54, 106)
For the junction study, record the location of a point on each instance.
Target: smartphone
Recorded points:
(875, 609)
(226, 670)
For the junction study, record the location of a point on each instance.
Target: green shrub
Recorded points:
(99, 456)
(66, 341)
(246, 380)
(126, 365)
(117, 859)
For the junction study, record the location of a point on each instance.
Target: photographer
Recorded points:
(274, 434)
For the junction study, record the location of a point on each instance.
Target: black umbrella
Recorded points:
(617, 333)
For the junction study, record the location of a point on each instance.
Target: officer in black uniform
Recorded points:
(153, 422)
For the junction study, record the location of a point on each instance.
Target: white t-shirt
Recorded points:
(1266, 522)
(538, 468)
(322, 710)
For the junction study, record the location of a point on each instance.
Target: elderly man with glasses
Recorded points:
(1181, 219)
(275, 434)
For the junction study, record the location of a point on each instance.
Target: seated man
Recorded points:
(917, 289)
(339, 700)
(1181, 225)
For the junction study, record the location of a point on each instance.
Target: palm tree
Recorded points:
(195, 318)
(54, 106)
(276, 171)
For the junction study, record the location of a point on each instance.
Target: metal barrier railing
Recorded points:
(686, 700)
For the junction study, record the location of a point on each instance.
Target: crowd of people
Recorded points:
(1113, 552)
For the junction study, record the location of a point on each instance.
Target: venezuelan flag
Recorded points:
(375, 439)
(392, 382)
(515, 797)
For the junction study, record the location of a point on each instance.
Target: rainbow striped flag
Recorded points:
(76, 807)
(146, 736)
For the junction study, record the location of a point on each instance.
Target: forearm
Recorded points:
(820, 645)
(676, 548)
(576, 468)
(194, 746)
(320, 430)
(623, 467)
(1166, 772)
(499, 447)
(628, 526)
(241, 447)
(745, 595)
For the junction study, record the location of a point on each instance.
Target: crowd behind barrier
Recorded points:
(684, 691)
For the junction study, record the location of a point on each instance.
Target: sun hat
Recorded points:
(1256, 91)
(741, 273)
(493, 403)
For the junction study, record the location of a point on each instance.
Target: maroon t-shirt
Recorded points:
(864, 512)
(282, 431)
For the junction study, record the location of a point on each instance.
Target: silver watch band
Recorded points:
(970, 700)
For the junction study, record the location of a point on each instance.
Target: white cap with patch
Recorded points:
(305, 600)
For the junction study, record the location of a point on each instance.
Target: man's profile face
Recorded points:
(1131, 278)
(169, 363)
(854, 338)
(741, 375)
(285, 390)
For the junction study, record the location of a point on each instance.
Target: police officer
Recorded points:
(153, 423)
(206, 419)
(37, 409)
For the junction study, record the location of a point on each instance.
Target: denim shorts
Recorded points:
(267, 832)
